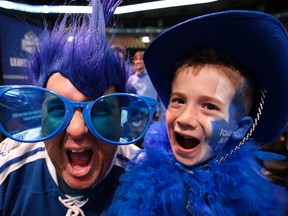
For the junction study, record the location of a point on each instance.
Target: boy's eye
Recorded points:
(177, 100)
(211, 107)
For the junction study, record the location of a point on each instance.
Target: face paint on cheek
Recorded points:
(221, 132)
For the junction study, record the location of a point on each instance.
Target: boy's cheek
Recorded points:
(220, 134)
(170, 117)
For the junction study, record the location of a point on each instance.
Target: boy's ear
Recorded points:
(242, 128)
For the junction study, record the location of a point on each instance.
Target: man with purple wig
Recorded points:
(67, 144)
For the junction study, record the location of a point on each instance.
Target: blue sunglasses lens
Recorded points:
(53, 114)
(30, 114)
(120, 118)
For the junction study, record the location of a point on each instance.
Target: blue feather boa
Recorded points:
(158, 185)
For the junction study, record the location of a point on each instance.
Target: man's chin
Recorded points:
(80, 183)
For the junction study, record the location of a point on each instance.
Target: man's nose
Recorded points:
(77, 126)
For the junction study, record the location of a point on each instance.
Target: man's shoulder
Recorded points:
(125, 153)
(10, 148)
(128, 150)
(14, 155)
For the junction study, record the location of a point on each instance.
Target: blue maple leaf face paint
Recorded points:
(223, 129)
(221, 133)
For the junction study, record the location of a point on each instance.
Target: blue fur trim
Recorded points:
(159, 185)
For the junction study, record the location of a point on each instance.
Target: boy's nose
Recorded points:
(77, 126)
(188, 119)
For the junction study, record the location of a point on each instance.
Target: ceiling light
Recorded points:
(87, 9)
(158, 5)
(145, 39)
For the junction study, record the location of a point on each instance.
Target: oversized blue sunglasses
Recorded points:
(33, 114)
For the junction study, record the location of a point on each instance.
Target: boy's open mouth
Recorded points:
(187, 142)
(81, 157)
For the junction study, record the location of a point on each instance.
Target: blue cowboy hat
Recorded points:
(256, 40)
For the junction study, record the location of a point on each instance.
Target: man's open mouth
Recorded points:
(187, 142)
(79, 157)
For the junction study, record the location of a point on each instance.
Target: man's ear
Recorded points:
(242, 128)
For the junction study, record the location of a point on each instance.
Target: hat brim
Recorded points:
(255, 39)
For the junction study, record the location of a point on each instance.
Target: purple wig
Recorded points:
(78, 48)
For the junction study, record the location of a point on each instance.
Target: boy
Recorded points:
(223, 103)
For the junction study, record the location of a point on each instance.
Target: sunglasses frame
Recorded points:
(86, 107)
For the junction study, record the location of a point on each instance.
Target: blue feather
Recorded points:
(159, 185)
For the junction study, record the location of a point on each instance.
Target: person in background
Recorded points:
(225, 76)
(137, 61)
(139, 83)
(277, 170)
(64, 153)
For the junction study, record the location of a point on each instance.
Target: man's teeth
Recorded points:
(77, 150)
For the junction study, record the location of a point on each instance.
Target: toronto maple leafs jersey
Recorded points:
(29, 185)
